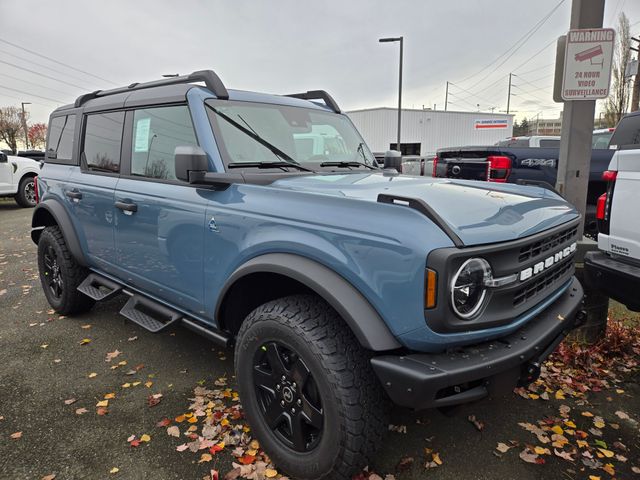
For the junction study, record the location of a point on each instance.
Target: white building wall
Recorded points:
(433, 129)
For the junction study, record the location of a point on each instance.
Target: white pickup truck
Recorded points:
(615, 268)
(17, 179)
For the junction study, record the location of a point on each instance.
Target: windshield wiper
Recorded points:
(269, 165)
(251, 133)
(347, 164)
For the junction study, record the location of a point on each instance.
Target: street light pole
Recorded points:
(24, 125)
(401, 40)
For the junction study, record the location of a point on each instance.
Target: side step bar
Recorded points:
(150, 315)
(98, 287)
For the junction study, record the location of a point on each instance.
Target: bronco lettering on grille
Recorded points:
(547, 262)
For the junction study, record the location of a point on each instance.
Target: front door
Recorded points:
(160, 220)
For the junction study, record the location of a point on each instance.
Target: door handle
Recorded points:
(73, 194)
(127, 208)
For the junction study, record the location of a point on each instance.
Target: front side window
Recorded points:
(156, 134)
(60, 141)
(245, 131)
(102, 141)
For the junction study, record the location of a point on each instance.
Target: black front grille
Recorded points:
(535, 249)
(541, 283)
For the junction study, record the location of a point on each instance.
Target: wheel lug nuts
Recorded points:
(282, 403)
(293, 410)
(278, 387)
(294, 385)
(284, 378)
(299, 402)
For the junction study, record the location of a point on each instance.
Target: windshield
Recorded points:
(600, 140)
(261, 132)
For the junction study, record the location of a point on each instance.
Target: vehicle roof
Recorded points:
(604, 130)
(177, 93)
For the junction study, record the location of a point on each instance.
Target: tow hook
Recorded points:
(581, 318)
(530, 374)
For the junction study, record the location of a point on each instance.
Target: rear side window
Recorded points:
(627, 134)
(60, 140)
(156, 134)
(550, 143)
(102, 142)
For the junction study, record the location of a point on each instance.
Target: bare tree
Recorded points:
(618, 101)
(11, 126)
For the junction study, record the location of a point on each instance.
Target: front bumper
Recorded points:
(615, 278)
(422, 380)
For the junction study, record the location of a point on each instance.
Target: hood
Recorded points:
(477, 212)
(22, 162)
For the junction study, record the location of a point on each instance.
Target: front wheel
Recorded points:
(308, 389)
(26, 196)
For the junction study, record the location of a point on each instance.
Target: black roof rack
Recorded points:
(318, 95)
(209, 77)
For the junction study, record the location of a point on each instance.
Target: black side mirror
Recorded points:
(393, 160)
(3, 157)
(190, 159)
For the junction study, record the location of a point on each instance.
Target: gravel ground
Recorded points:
(42, 364)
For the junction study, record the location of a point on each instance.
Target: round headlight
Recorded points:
(468, 290)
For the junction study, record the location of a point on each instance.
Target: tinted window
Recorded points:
(514, 142)
(156, 134)
(102, 141)
(550, 143)
(627, 132)
(60, 142)
(601, 140)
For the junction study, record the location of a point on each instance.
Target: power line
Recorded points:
(56, 61)
(515, 47)
(43, 75)
(32, 94)
(537, 69)
(536, 54)
(32, 63)
(34, 83)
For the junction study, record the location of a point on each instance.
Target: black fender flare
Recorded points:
(39, 220)
(363, 319)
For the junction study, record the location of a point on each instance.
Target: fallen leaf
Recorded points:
(114, 470)
(606, 453)
(477, 423)
(112, 355)
(529, 457)
(587, 414)
(92, 375)
(163, 423)
(542, 451)
(102, 411)
(622, 415)
(102, 403)
(153, 400)
(609, 469)
(132, 339)
(85, 341)
(44, 345)
(16, 435)
(145, 438)
(182, 448)
(173, 431)
(503, 447)
(109, 396)
(49, 477)
(70, 401)
(270, 473)
(205, 457)
(81, 411)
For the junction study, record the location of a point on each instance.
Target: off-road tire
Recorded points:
(70, 300)
(21, 197)
(354, 405)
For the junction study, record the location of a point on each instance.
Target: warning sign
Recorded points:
(587, 64)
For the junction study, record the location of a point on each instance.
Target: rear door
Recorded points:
(624, 227)
(89, 191)
(160, 220)
(6, 176)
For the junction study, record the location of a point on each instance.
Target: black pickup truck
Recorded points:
(525, 165)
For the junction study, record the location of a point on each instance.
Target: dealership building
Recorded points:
(425, 131)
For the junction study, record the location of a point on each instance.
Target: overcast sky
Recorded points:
(290, 46)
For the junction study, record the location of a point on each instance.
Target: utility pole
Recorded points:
(509, 94)
(636, 82)
(446, 97)
(574, 163)
(24, 126)
(401, 40)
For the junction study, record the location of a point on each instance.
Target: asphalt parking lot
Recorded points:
(46, 360)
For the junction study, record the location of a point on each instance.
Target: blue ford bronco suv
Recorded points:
(264, 221)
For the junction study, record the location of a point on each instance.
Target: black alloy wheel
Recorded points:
(52, 273)
(288, 397)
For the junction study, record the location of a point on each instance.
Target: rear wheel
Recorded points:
(60, 274)
(308, 389)
(26, 196)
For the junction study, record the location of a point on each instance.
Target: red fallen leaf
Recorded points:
(134, 443)
(101, 411)
(215, 449)
(153, 400)
(247, 459)
(477, 423)
(218, 415)
(139, 367)
(214, 475)
(165, 422)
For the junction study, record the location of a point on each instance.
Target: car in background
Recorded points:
(17, 179)
(615, 268)
(536, 141)
(37, 155)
